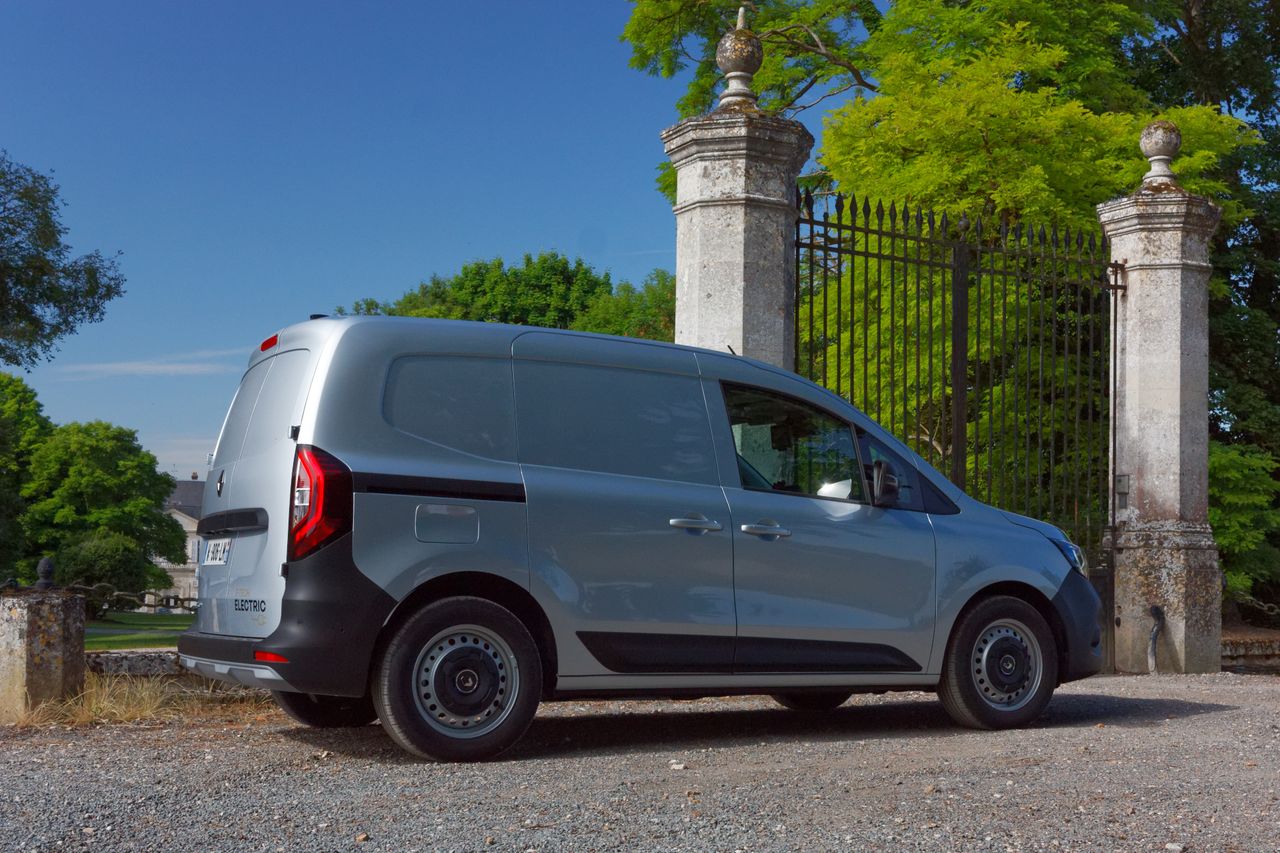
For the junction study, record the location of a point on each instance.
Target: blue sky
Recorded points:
(257, 162)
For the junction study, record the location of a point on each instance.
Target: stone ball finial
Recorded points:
(739, 56)
(44, 573)
(1160, 142)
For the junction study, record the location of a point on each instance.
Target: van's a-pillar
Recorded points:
(1166, 562)
(736, 171)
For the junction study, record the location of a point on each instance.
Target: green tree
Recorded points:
(93, 489)
(1244, 515)
(549, 290)
(45, 292)
(985, 110)
(108, 557)
(22, 427)
(649, 312)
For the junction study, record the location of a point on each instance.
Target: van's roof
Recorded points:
(311, 333)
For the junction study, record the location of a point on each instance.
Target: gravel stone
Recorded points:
(1117, 763)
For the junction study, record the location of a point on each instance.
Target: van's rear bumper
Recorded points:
(330, 619)
(228, 659)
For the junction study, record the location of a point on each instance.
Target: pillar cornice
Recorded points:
(1158, 211)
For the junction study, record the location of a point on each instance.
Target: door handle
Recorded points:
(766, 530)
(696, 523)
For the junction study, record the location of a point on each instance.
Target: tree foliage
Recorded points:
(811, 47)
(104, 556)
(980, 113)
(46, 293)
(22, 427)
(648, 312)
(549, 291)
(1244, 515)
(92, 489)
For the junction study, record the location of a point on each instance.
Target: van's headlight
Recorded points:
(1074, 554)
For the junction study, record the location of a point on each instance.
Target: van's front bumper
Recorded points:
(1078, 608)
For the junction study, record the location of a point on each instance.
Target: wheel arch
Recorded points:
(1028, 593)
(492, 588)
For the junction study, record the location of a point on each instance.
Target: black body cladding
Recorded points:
(330, 619)
(1078, 606)
(656, 653)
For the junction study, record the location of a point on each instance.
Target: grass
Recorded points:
(137, 699)
(135, 631)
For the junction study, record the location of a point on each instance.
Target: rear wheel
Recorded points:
(1001, 666)
(326, 712)
(459, 681)
(825, 700)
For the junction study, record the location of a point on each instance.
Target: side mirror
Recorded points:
(884, 484)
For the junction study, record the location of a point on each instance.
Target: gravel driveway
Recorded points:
(1138, 763)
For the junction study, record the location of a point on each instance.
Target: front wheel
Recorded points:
(326, 712)
(825, 700)
(1001, 666)
(459, 681)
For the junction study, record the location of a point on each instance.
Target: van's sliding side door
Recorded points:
(630, 549)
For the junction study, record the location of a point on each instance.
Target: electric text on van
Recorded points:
(441, 523)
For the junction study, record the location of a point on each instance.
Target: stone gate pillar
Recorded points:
(1165, 555)
(736, 171)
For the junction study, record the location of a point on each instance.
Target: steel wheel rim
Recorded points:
(1006, 665)
(465, 681)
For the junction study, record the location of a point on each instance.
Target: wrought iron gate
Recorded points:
(984, 348)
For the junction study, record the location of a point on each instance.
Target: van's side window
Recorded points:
(455, 401)
(614, 420)
(785, 445)
(874, 450)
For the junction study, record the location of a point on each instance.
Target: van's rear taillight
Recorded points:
(321, 501)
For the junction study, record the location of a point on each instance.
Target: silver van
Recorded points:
(439, 524)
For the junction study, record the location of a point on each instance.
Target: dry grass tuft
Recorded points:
(136, 699)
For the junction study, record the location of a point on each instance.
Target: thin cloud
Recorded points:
(196, 363)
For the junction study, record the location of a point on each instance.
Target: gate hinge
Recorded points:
(1115, 270)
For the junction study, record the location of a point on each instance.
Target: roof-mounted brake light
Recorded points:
(269, 343)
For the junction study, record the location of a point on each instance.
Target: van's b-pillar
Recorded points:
(1166, 563)
(735, 209)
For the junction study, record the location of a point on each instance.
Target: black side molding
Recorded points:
(641, 653)
(232, 521)
(770, 654)
(437, 487)
(633, 652)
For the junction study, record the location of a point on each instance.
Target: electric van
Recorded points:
(439, 524)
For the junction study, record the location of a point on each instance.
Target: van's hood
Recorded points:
(1044, 529)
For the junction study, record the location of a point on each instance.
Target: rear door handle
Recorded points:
(766, 530)
(696, 523)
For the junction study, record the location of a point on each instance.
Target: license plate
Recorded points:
(215, 552)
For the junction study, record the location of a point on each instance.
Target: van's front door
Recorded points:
(824, 581)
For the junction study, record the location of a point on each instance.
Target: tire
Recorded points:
(826, 700)
(1001, 666)
(459, 681)
(326, 712)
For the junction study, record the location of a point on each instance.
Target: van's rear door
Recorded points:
(245, 520)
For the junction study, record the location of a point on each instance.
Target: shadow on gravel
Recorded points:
(549, 736)
(566, 736)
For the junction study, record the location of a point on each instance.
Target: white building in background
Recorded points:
(184, 505)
